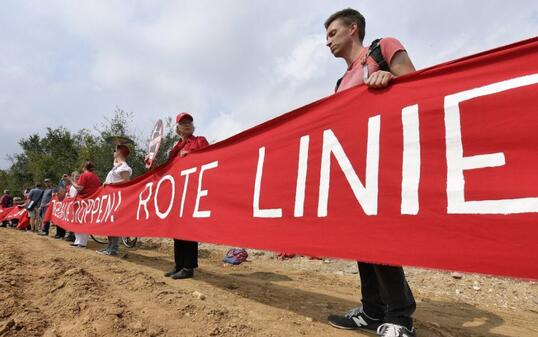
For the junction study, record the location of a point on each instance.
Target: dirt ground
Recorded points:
(50, 289)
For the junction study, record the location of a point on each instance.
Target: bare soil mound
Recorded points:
(50, 289)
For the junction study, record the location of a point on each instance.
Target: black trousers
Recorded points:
(185, 254)
(60, 231)
(42, 211)
(46, 227)
(386, 294)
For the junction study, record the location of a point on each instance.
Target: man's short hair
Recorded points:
(349, 16)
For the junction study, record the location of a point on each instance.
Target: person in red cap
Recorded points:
(188, 142)
(185, 252)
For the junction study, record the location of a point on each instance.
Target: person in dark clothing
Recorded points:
(6, 200)
(387, 300)
(185, 252)
(34, 199)
(60, 232)
(45, 201)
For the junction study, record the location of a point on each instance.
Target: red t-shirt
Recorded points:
(90, 183)
(355, 73)
(192, 143)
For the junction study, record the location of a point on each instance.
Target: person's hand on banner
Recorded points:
(147, 161)
(380, 79)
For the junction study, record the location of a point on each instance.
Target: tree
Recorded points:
(18, 175)
(61, 152)
(48, 157)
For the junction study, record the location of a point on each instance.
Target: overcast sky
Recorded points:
(233, 63)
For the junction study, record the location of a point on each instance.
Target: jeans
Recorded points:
(386, 294)
(113, 244)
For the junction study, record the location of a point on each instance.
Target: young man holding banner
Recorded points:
(387, 300)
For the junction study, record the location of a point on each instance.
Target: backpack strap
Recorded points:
(375, 52)
(338, 83)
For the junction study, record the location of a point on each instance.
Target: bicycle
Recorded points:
(128, 242)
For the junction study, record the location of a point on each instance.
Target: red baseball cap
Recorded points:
(183, 115)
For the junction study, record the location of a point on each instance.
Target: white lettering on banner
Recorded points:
(83, 208)
(144, 202)
(164, 214)
(457, 163)
(262, 213)
(89, 207)
(70, 208)
(366, 191)
(99, 209)
(104, 199)
(80, 211)
(411, 160)
(102, 204)
(185, 173)
(95, 208)
(365, 195)
(108, 209)
(302, 168)
(146, 195)
(116, 206)
(66, 212)
(202, 193)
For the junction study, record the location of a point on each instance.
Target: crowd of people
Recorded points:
(37, 200)
(387, 300)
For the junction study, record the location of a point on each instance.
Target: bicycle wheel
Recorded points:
(99, 239)
(129, 242)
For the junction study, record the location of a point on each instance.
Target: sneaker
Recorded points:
(183, 274)
(73, 244)
(108, 253)
(102, 251)
(355, 319)
(394, 330)
(171, 272)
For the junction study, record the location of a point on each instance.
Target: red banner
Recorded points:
(14, 213)
(438, 170)
(5, 212)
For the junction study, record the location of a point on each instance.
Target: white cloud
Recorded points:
(233, 63)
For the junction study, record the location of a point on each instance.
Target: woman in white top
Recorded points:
(81, 239)
(72, 190)
(120, 172)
